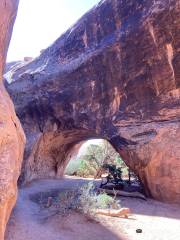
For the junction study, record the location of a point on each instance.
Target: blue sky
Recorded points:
(41, 22)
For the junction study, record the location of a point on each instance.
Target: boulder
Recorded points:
(11, 134)
(113, 75)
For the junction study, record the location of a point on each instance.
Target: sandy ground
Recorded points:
(158, 221)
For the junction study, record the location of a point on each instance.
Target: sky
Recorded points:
(87, 143)
(40, 22)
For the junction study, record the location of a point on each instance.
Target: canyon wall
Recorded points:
(11, 134)
(113, 75)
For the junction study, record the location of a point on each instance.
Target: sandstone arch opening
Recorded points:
(97, 159)
(89, 156)
(54, 154)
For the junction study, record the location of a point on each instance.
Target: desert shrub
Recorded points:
(87, 200)
(104, 201)
(68, 200)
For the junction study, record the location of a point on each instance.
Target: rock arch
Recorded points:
(114, 73)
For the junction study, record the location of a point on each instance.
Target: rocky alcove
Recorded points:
(113, 75)
(115, 79)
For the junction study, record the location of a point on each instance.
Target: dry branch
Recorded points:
(123, 212)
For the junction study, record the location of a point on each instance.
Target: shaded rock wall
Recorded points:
(51, 153)
(11, 134)
(114, 75)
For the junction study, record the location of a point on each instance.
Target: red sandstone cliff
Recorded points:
(11, 134)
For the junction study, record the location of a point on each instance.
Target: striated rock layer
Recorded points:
(11, 134)
(113, 75)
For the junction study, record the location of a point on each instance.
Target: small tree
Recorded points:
(96, 156)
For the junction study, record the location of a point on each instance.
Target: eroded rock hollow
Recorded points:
(113, 75)
(11, 134)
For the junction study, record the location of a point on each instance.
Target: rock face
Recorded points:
(11, 134)
(113, 75)
(10, 67)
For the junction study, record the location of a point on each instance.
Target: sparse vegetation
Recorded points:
(85, 199)
(90, 200)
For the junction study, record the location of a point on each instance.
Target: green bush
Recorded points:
(90, 200)
(86, 200)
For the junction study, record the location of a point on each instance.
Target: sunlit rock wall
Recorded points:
(11, 134)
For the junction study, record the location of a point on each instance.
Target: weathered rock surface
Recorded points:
(10, 67)
(11, 134)
(113, 75)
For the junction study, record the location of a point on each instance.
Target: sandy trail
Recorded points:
(157, 220)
